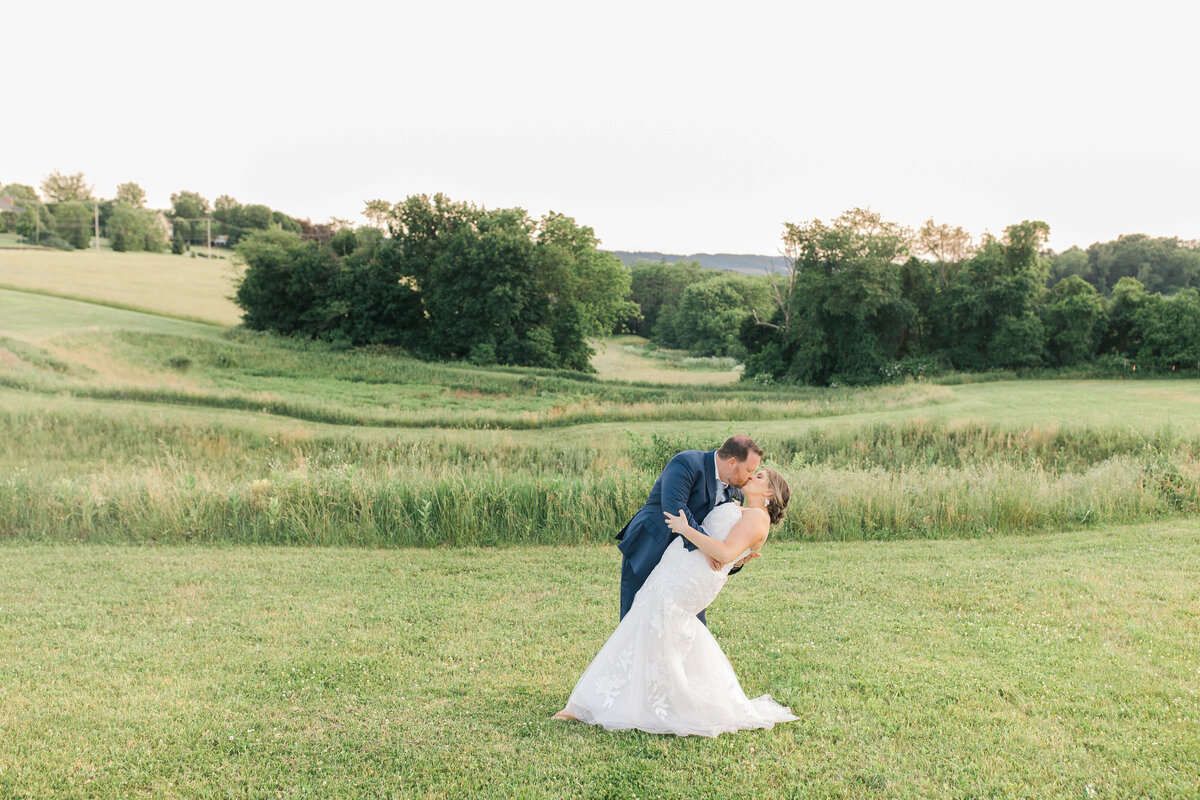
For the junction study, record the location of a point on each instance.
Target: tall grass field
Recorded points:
(233, 564)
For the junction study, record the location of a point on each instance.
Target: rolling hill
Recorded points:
(744, 263)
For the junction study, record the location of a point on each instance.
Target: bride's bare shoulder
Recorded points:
(757, 514)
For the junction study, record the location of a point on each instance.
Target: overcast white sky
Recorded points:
(678, 127)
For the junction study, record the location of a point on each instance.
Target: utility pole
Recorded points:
(37, 222)
(96, 212)
(209, 221)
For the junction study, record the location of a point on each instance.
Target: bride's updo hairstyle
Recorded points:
(781, 493)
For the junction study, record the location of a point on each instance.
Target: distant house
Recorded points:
(221, 241)
(166, 224)
(8, 203)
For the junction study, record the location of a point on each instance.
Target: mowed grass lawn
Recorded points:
(615, 360)
(1047, 666)
(197, 288)
(41, 318)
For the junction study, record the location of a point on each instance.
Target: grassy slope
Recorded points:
(47, 318)
(1012, 667)
(196, 287)
(614, 362)
(316, 384)
(383, 386)
(164, 283)
(42, 318)
(199, 289)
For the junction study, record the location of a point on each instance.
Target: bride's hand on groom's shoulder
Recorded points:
(677, 523)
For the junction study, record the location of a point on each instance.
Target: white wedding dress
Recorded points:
(661, 670)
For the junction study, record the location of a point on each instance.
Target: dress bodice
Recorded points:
(720, 520)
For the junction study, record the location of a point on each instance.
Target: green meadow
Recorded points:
(131, 427)
(239, 565)
(1062, 665)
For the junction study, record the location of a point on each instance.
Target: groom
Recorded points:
(695, 481)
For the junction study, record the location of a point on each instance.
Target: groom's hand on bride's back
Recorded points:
(716, 565)
(742, 563)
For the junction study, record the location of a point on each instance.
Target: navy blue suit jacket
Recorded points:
(689, 481)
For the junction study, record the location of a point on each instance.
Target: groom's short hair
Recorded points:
(739, 447)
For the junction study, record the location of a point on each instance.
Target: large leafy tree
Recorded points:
(35, 221)
(1122, 335)
(61, 188)
(131, 195)
(988, 314)
(482, 297)
(130, 228)
(189, 205)
(187, 209)
(1074, 319)
(1161, 264)
(709, 314)
(377, 212)
(19, 192)
(423, 224)
(34, 218)
(655, 286)
(572, 269)
(1072, 261)
(74, 222)
(920, 287)
(288, 285)
(946, 246)
(1168, 330)
(848, 306)
(376, 302)
(235, 221)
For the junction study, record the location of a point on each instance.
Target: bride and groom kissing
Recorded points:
(661, 670)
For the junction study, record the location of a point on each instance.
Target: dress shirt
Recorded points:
(722, 486)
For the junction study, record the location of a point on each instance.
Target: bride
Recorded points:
(661, 671)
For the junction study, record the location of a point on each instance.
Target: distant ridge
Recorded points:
(748, 264)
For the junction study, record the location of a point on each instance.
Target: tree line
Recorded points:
(450, 280)
(66, 212)
(683, 306)
(859, 300)
(858, 305)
